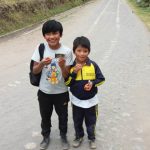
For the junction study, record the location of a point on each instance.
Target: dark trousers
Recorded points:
(90, 116)
(46, 104)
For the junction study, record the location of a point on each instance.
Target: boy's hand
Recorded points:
(61, 62)
(88, 86)
(77, 68)
(46, 61)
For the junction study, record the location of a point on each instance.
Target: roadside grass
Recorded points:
(19, 19)
(142, 12)
(12, 1)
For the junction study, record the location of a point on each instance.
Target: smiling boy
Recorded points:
(85, 75)
(50, 94)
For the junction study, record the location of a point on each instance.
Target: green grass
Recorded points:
(19, 19)
(143, 13)
(11, 1)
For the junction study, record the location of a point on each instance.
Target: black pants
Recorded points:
(60, 103)
(90, 116)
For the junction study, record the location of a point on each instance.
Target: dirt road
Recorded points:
(120, 45)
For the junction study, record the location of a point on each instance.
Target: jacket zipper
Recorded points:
(81, 75)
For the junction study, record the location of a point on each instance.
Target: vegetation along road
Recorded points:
(120, 45)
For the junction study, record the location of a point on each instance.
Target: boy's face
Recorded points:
(81, 54)
(53, 39)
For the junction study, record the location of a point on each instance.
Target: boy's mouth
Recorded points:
(82, 57)
(52, 42)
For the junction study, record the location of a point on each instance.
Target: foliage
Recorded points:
(143, 3)
(142, 12)
(16, 14)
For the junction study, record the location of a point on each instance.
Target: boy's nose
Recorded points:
(82, 53)
(51, 36)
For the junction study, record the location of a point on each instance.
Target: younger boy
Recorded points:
(52, 90)
(84, 77)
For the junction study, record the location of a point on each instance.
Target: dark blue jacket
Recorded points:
(90, 71)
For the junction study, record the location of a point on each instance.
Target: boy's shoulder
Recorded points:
(92, 61)
(66, 48)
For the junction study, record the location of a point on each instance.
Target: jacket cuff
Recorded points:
(73, 75)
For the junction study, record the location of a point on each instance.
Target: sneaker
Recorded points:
(92, 144)
(64, 141)
(45, 142)
(77, 142)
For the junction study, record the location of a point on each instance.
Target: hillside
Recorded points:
(16, 14)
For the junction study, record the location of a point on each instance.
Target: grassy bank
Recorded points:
(142, 12)
(17, 14)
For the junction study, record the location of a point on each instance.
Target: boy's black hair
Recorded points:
(52, 26)
(81, 41)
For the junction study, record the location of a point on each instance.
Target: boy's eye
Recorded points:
(85, 51)
(78, 50)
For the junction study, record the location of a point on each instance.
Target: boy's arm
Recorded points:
(66, 63)
(38, 66)
(65, 71)
(70, 79)
(100, 79)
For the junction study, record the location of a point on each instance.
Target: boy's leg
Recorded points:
(46, 108)
(78, 117)
(90, 121)
(61, 108)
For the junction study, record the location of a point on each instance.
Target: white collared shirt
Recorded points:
(84, 103)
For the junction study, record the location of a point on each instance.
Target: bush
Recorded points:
(143, 3)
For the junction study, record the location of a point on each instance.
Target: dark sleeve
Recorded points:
(100, 79)
(70, 79)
